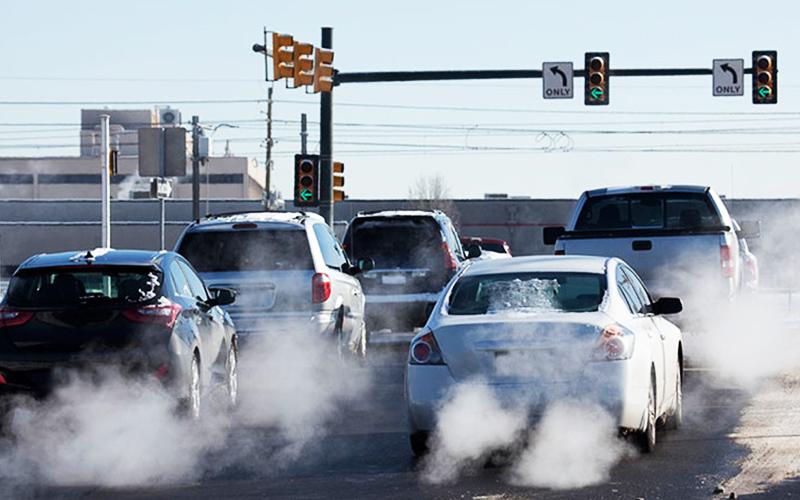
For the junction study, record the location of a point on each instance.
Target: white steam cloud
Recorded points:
(574, 445)
(470, 426)
(111, 430)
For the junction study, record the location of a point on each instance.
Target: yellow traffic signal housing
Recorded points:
(323, 70)
(338, 181)
(765, 77)
(303, 64)
(282, 56)
(596, 80)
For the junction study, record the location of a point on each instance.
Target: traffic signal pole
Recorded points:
(326, 143)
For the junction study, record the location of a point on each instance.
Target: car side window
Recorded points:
(179, 281)
(638, 287)
(452, 240)
(198, 289)
(332, 253)
(628, 293)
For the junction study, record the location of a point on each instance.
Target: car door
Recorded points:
(343, 284)
(212, 331)
(644, 325)
(668, 334)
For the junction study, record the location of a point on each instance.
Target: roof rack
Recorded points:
(243, 212)
(372, 212)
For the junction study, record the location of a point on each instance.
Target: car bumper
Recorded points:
(398, 312)
(610, 384)
(251, 327)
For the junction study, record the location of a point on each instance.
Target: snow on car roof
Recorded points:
(546, 263)
(259, 217)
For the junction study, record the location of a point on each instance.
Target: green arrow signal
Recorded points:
(306, 194)
(763, 91)
(597, 93)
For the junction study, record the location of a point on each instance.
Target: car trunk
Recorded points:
(409, 254)
(270, 268)
(520, 349)
(57, 312)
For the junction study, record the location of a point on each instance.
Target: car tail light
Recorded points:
(425, 351)
(726, 261)
(449, 260)
(162, 371)
(2, 379)
(615, 343)
(320, 288)
(164, 313)
(12, 317)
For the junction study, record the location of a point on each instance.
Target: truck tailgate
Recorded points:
(663, 262)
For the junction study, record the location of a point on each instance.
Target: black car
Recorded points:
(414, 254)
(141, 311)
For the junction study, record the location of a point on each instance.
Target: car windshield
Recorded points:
(648, 211)
(83, 285)
(527, 293)
(408, 242)
(247, 250)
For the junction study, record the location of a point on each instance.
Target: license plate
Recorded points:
(393, 279)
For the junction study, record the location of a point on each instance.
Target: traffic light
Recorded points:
(338, 181)
(303, 64)
(306, 180)
(323, 70)
(765, 77)
(282, 57)
(595, 86)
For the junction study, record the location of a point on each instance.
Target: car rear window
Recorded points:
(83, 285)
(648, 211)
(527, 293)
(493, 247)
(247, 250)
(407, 242)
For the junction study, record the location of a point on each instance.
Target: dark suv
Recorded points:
(144, 312)
(414, 254)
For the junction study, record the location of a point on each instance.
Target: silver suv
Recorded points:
(288, 270)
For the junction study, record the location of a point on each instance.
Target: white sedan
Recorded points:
(539, 329)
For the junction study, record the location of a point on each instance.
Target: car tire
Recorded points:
(419, 443)
(675, 420)
(191, 403)
(646, 439)
(232, 377)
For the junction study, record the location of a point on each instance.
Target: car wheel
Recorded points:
(675, 420)
(419, 443)
(232, 376)
(193, 406)
(646, 439)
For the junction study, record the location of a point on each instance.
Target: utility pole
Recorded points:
(268, 202)
(303, 134)
(326, 142)
(105, 163)
(196, 168)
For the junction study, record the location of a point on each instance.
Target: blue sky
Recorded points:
(482, 136)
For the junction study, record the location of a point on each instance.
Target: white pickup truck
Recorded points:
(680, 239)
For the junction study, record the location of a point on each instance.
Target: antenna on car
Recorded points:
(89, 258)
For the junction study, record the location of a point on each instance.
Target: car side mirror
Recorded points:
(749, 229)
(472, 251)
(221, 297)
(552, 234)
(351, 269)
(366, 264)
(667, 305)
